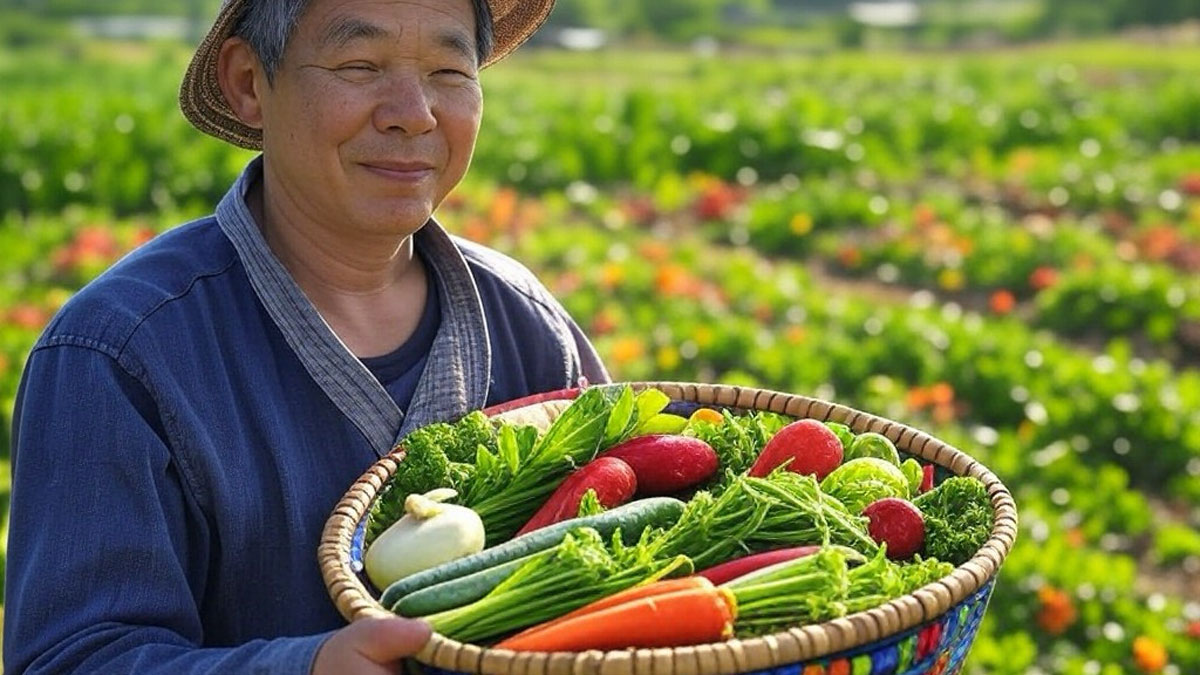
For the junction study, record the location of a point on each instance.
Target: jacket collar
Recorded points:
(457, 370)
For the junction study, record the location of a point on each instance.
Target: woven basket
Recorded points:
(927, 631)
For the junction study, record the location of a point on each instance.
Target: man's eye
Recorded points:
(363, 67)
(452, 71)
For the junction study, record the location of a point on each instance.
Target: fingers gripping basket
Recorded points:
(927, 631)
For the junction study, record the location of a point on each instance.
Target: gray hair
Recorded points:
(267, 25)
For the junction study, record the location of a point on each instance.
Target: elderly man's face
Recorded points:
(374, 111)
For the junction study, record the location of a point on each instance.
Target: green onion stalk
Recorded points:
(581, 570)
(806, 590)
(753, 514)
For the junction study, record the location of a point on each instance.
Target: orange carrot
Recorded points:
(686, 617)
(628, 595)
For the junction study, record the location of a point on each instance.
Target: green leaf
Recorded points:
(662, 423)
(649, 404)
(508, 448)
(620, 419)
(577, 432)
(485, 463)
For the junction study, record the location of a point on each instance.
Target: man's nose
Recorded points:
(406, 106)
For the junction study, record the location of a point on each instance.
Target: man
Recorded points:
(188, 421)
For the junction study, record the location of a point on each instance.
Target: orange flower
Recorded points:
(716, 201)
(1190, 184)
(1159, 242)
(30, 317)
(672, 279)
(1149, 655)
(603, 322)
(96, 240)
(1075, 538)
(923, 215)
(503, 207)
(849, 256)
(1193, 629)
(795, 334)
(626, 350)
(1043, 277)
(1056, 612)
(1002, 302)
(477, 230)
(141, 236)
(943, 413)
(654, 251)
(917, 398)
(941, 393)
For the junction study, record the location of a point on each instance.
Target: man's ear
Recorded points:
(237, 72)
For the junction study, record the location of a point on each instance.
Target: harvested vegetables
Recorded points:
(727, 571)
(958, 519)
(863, 480)
(897, 524)
(660, 615)
(755, 514)
(429, 534)
(804, 446)
(630, 520)
(664, 463)
(609, 480)
(786, 548)
(823, 586)
(581, 570)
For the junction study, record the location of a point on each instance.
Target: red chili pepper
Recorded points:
(728, 571)
(927, 478)
(611, 478)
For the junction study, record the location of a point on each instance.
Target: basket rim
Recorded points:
(797, 644)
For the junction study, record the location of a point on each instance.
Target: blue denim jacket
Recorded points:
(186, 424)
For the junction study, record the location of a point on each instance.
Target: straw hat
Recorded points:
(202, 102)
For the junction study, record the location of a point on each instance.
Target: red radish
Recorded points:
(728, 571)
(927, 478)
(611, 478)
(666, 463)
(897, 523)
(811, 447)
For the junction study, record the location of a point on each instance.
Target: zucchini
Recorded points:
(631, 519)
(461, 591)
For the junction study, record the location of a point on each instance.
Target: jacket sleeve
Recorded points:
(108, 547)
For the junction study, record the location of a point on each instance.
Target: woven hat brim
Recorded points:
(203, 104)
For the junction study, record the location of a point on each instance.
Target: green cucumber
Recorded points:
(631, 519)
(458, 592)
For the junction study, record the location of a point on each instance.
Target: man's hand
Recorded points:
(371, 647)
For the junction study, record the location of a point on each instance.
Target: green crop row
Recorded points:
(642, 120)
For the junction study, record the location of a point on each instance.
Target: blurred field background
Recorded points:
(980, 217)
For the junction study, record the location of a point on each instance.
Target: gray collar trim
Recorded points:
(457, 370)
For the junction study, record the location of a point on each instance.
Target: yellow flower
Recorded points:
(951, 279)
(667, 357)
(801, 224)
